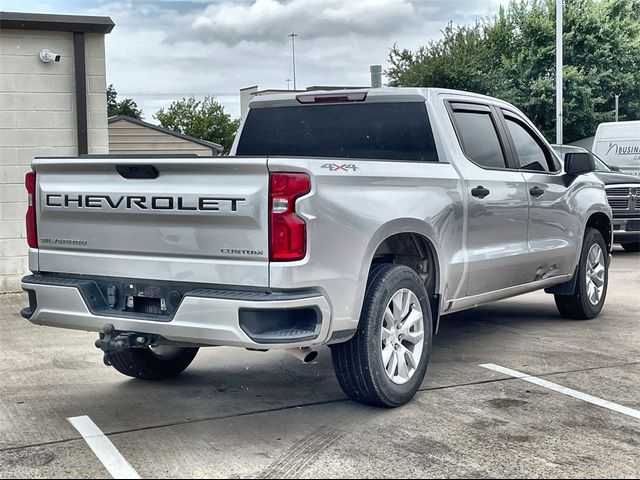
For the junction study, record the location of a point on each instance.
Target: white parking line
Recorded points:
(564, 390)
(106, 452)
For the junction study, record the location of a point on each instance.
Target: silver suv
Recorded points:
(355, 219)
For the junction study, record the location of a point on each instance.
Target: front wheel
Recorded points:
(587, 300)
(385, 362)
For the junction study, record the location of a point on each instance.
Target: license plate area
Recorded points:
(124, 298)
(138, 299)
(146, 299)
(154, 306)
(633, 226)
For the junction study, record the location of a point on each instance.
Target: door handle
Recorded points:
(536, 191)
(480, 191)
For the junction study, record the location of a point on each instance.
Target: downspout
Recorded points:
(80, 68)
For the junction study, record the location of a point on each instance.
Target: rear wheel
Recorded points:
(631, 247)
(385, 362)
(587, 300)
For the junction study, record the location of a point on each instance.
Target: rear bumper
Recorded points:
(237, 318)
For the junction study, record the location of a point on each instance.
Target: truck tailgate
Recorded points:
(201, 220)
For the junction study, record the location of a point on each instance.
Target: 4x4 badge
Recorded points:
(337, 167)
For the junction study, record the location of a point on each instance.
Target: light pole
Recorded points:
(617, 98)
(293, 49)
(288, 83)
(559, 83)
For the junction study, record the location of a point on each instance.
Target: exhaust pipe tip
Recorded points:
(305, 355)
(311, 356)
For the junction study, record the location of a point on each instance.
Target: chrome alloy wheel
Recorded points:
(595, 273)
(402, 337)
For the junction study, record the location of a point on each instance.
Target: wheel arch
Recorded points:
(601, 222)
(416, 249)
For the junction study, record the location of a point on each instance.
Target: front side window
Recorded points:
(479, 138)
(531, 156)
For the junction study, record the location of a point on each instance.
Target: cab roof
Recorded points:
(385, 94)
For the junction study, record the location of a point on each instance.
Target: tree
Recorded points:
(204, 119)
(512, 56)
(125, 107)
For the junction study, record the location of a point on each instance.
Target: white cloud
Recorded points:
(270, 20)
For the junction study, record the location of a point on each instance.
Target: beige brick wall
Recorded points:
(38, 118)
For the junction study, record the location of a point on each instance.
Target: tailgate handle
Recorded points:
(137, 171)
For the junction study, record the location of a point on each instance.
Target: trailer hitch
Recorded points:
(112, 340)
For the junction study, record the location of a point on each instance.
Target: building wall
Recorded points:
(128, 138)
(38, 118)
(97, 128)
(246, 95)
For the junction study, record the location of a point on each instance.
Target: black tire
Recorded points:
(147, 364)
(358, 363)
(577, 306)
(631, 247)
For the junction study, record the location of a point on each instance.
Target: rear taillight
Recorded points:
(32, 235)
(288, 231)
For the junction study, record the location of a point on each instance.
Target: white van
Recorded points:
(618, 144)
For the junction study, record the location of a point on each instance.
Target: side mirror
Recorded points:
(579, 163)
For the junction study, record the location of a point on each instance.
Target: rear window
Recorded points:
(390, 131)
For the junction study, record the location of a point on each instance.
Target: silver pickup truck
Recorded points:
(355, 219)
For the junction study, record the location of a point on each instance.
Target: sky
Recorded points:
(164, 50)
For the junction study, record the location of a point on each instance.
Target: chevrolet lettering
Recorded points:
(142, 202)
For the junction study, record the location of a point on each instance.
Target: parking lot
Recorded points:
(235, 413)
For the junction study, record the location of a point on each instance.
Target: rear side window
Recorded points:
(386, 131)
(479, 138)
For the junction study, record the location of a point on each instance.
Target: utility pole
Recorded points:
(293, 49)
(559, 82)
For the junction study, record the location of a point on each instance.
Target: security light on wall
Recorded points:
(47, 56)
